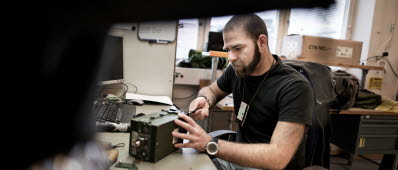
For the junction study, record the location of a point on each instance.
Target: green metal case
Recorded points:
(150, 135)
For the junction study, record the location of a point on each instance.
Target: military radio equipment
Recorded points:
(150, 136)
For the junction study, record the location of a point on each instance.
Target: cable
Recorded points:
(136, 88)
(382, 57)
(124, 91)
(389, 63)
(377, 58)
(119, 145)
(386, 44)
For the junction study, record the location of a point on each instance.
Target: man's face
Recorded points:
(243, 52)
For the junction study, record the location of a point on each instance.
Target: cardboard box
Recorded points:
(322, 50)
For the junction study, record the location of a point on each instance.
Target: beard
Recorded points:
(247, 70)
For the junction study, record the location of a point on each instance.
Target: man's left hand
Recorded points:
(197, 137)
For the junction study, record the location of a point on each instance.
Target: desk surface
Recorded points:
(228, 105)
(354, 111)
(186, 158)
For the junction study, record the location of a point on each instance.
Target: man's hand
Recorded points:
(197, 137)
(201, 107)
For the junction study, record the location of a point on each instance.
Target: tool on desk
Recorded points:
(120, 164)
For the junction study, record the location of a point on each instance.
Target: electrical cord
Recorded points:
(392, 69)
(124, 91)
(382, 57)
(119, 145)
(369, 58)
(136, 88)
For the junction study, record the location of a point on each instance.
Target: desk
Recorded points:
(359, 111)
(186, 158)
(367, 131)
(226, 104)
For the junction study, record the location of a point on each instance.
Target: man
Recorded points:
(272, 102)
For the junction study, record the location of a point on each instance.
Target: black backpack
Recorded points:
(346, 89)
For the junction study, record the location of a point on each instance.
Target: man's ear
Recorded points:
(262, 42)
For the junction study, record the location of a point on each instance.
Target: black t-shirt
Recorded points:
(285, 95)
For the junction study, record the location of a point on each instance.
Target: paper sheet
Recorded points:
(158, 99)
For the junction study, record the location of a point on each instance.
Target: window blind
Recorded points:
(319, 21)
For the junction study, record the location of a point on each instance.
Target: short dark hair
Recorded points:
(252, 24)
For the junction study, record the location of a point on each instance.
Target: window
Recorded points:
(331, 23)
(187, 37)
(270, 18)
(319, 22)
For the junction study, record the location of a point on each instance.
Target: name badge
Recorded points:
(242, 111)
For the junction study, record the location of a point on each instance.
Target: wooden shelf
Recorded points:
(365, 67)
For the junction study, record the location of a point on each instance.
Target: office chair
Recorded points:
(318, 134)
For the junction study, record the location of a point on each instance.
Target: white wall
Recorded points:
(385, 14)
(362, 24)
(149, 66)
(372, 22)
(361, 28)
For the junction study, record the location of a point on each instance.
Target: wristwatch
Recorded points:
(212, 147)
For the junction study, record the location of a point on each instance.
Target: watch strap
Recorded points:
(214, 139)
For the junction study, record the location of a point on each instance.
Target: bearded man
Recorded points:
(272, 101)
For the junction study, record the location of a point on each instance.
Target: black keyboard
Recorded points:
(108, 110)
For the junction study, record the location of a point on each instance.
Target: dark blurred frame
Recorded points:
(64, 61)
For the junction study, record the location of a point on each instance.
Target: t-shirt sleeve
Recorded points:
(296, 103)
(225, 81)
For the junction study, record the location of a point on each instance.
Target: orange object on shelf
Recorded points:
(218, 54)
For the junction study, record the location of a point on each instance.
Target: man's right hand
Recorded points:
(203, 110)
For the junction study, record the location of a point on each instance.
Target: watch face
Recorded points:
(212, 148)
